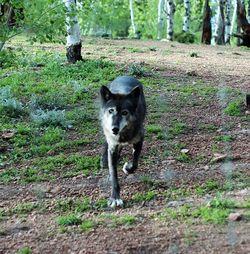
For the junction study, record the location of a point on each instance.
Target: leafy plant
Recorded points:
(49, 117)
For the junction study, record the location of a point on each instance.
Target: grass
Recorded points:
(87, 225)
(144, 196)
(68, 220)
(234, 108)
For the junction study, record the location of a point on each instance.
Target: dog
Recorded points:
(122, 114)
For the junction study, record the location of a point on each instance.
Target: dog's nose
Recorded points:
(115, 130)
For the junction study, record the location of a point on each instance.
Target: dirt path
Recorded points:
(183, 85)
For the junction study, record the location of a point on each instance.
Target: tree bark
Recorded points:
(206, 26)
(132, 18)
(170, 19)
(219, 35)
(74, 43)
(160, 18)
(228, 21)
(243, 24)
(186, 19)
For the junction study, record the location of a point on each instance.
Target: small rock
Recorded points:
(206, 167)
(185, 151)
(247, 112)
(56, 190)
(218, 157)
(234, 216)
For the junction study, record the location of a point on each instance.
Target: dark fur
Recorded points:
(124, 93)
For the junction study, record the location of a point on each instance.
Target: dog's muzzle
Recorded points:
(115, 130)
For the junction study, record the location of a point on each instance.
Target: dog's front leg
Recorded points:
(130, 167)
(113, 153)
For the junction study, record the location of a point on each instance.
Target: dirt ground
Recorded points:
(221, 67)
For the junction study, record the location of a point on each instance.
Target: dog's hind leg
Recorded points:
(130, 167)
(115, 199)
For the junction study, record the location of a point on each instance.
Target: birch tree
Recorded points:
(160, 18)
(74, 43)
(132, 18)
(170, 9)
(219, 35)
(186, 19)
(228, 21)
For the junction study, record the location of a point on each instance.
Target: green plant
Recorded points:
(144, 197)
(234, 108)
(136, 70)
(87, 225)
(24, 250)
(49, 117)
(184, 37)
(9, 105)
(68, 220)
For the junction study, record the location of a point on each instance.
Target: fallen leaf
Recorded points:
(234, 216)
(8, 134)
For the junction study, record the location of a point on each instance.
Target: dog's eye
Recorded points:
(111, 111)
(124, 112)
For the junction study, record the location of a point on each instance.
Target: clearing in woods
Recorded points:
(191, 191)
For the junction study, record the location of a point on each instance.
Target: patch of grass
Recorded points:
(234, 108)
(88, 225)
(135, 50)
(177, 128)
(24, 250)
(212, 215)
(144, 196)
(136, 70)
(207, 187)
(78, 205)
(225, 138)
(68, 220)
(154, 129)
(183, 157)
(125, 220)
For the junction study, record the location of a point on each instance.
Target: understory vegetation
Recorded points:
(51, 140)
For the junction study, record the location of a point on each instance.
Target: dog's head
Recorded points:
(119, 109)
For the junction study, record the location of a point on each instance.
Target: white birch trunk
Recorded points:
(234, 17)
(228, 21)
(73, 32)
(186, 19)
(160, 18)
(219, 24)
(170, 19)
(132, 18)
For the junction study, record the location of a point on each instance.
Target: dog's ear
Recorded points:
(135, 95)
(105, 94)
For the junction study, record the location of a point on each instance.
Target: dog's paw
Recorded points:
(128, 168)
(112, 202)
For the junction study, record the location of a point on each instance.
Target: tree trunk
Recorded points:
(248, 12)
(227, 21)
(74, 43)
(243, 24)
(132, 18)
(219, 35)
(170, 19)
(206, 26)
(186, 19)
(160, 18)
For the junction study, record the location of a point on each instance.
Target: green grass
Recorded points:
(88, 225)
(24, 250)
(177, 128)
(234, 108)
(68, 220)
(144, 196)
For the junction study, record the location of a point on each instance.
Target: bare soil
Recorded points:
(221, 67)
